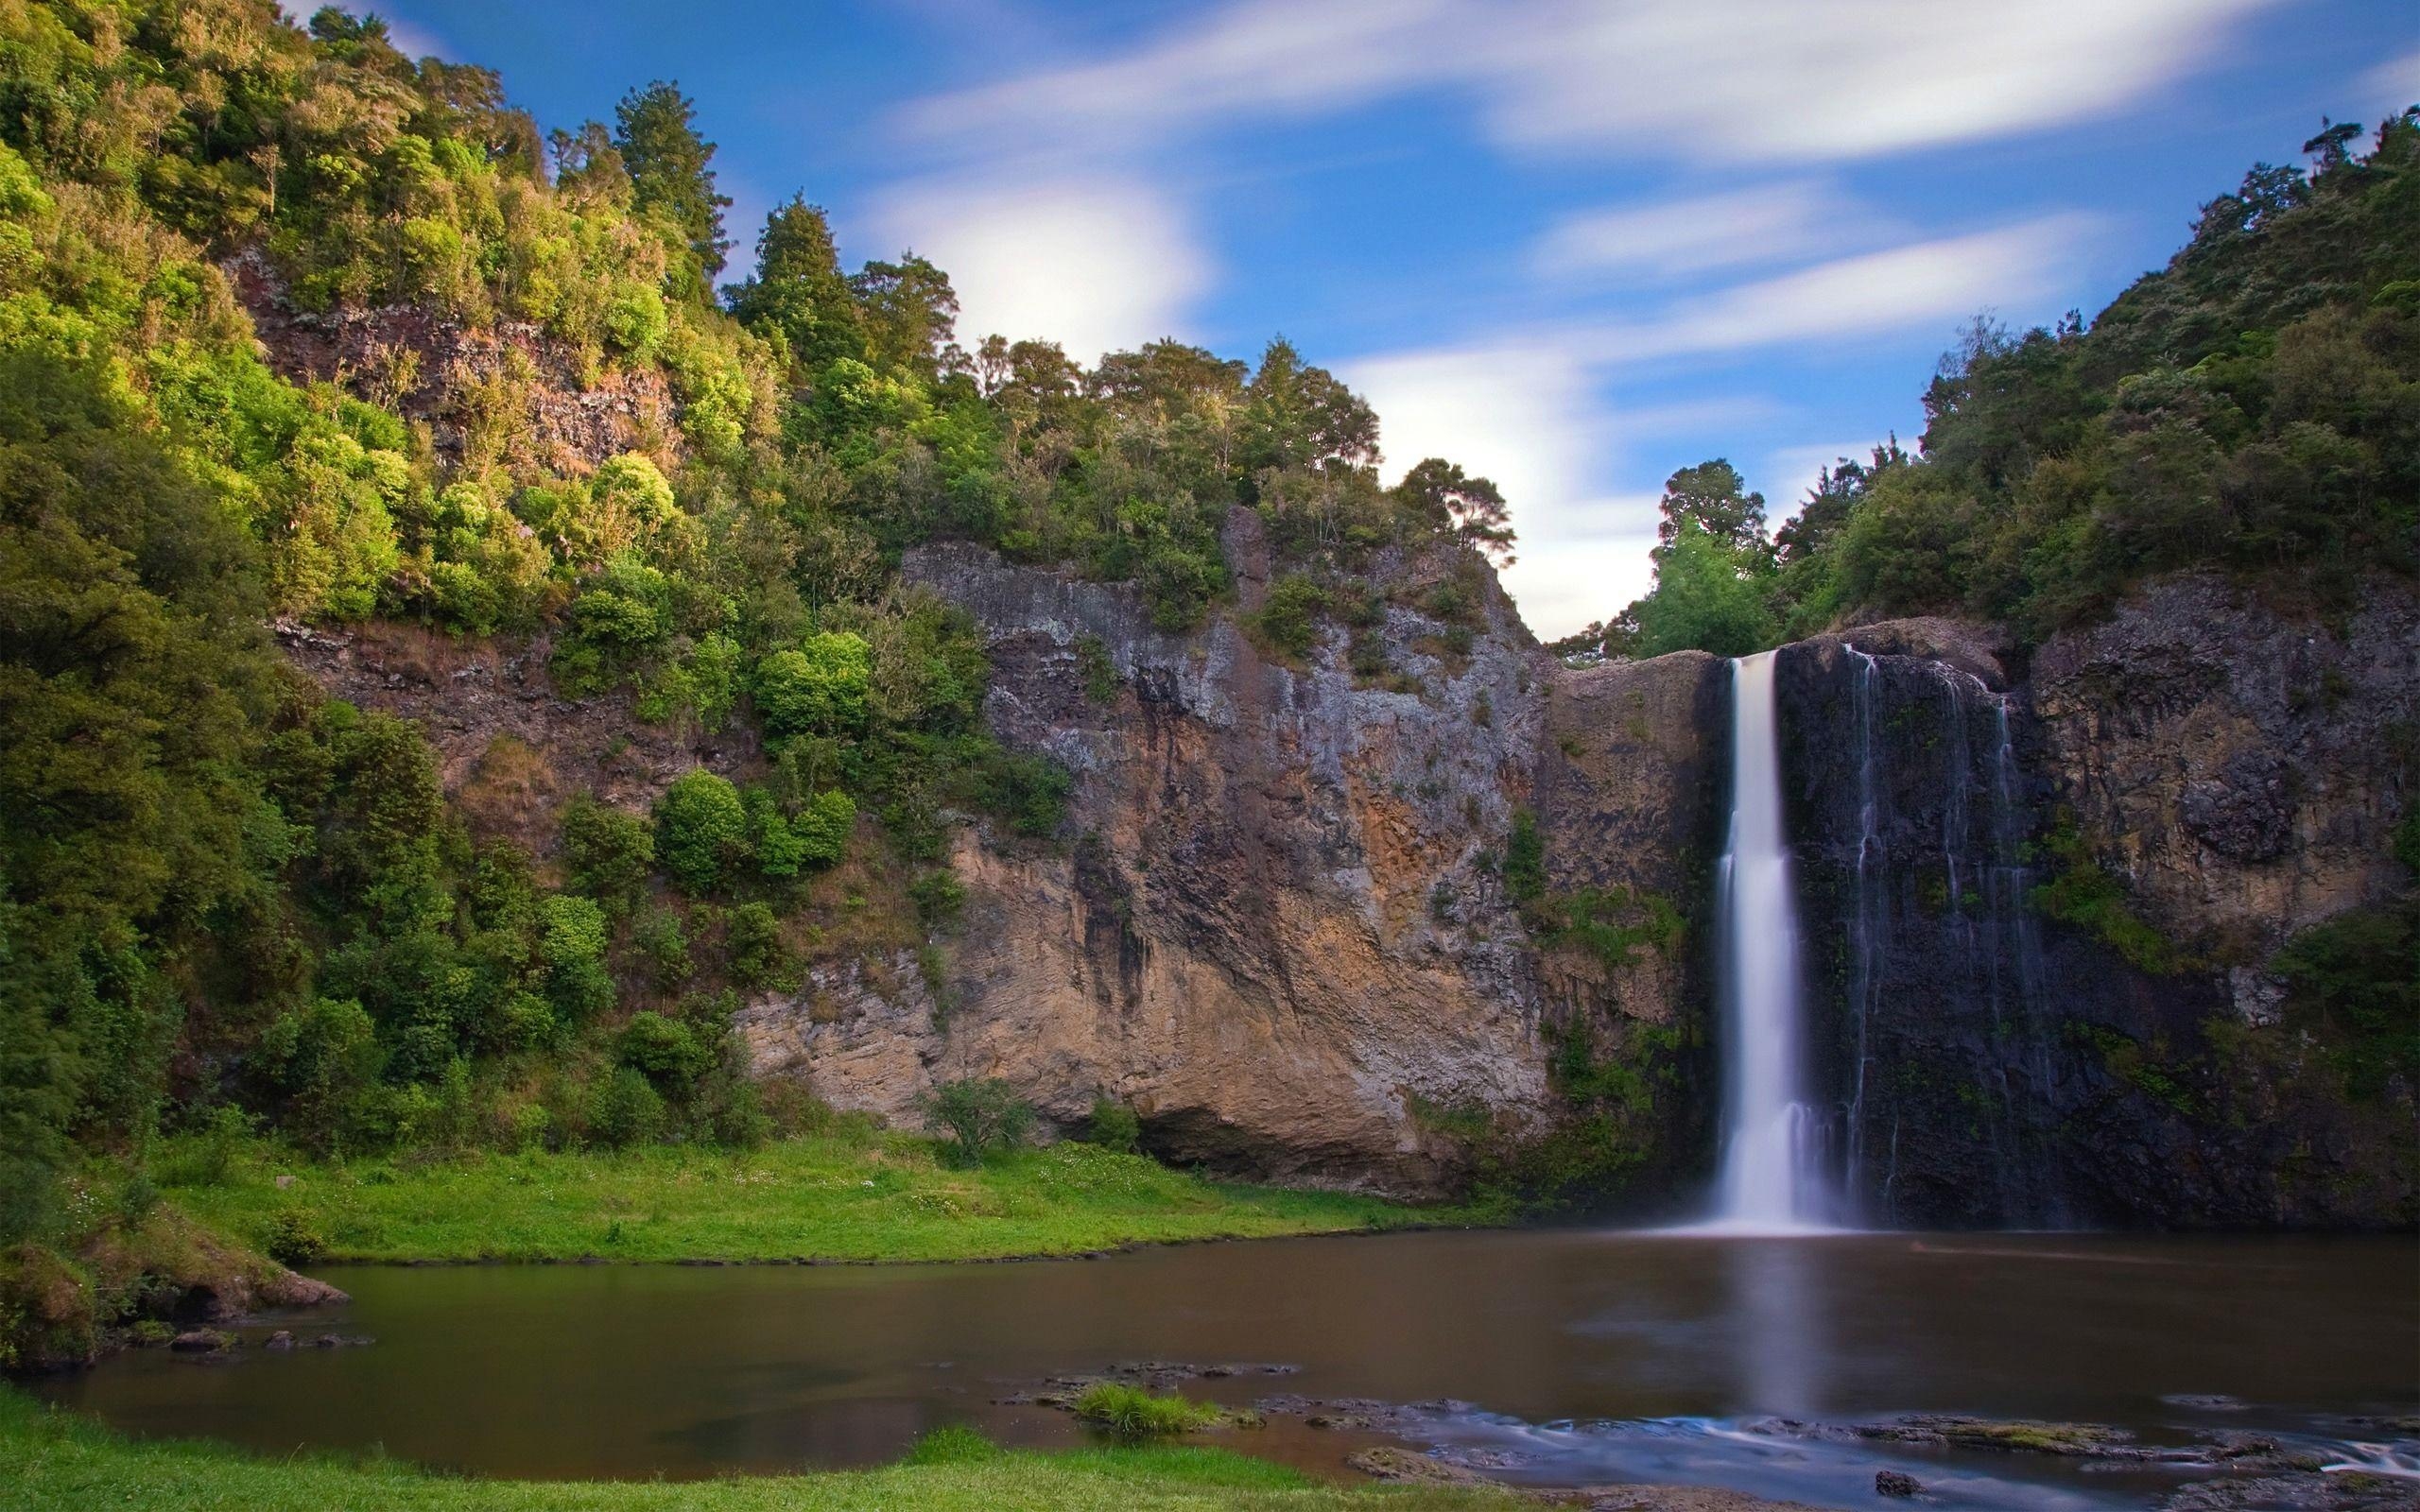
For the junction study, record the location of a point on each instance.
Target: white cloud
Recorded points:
(1096, 264)
(1923, 284)
(1525, 408)
(2392, 85)
(1767, 224)
(1744, 80)
(1527, 415)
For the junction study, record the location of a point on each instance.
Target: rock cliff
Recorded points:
(2042, 907)
(1291, 918)
(1278, 925)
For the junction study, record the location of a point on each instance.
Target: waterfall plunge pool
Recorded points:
(1545, 1356)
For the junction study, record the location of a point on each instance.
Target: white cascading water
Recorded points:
(1771, 1177)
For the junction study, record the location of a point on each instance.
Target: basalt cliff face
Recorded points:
(2043, 899)
(1289, 922)
(1278, 925)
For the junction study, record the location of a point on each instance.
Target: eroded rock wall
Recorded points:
(2237, 772)
(1276, 924)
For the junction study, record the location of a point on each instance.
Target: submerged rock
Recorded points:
(1406, 1466)
(1896, 1483)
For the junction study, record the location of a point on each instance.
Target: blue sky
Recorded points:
(1572, 246)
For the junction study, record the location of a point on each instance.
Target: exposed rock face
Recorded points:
(546, 407)
(1988, 1064)
(1279, 928)
(2247, 770)
(510, 749)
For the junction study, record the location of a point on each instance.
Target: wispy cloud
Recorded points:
(1749, 81)
(2392, 85)
(1703, 234)
(1527, 408)
(1923, 284)
(1095, 263)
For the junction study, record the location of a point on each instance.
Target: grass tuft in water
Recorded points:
(1133, 1413)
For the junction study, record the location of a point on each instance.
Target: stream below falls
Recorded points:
(1544, 1356)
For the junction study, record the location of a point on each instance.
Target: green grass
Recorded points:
(871, 1197)
(53, 1461)
(1137, 1414)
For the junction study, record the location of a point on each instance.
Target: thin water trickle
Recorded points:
(1771, 1177)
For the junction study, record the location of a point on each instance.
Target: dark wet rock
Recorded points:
(1162, 1375)
(2205, 1401)
(1404, 1466)
(342, 1341)
(1357, 1413)
(2228, 763)
(282, 1339)
(1896, 1483)
(202, 1341)
(2344, 1491)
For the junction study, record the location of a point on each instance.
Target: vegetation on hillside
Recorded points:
(226, 897)
(2252, 408)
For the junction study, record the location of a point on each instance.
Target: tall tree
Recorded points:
(799, 290)
(1715, 498)
(671, 173)
(1442, 496)
(910, 314)
(1296, 415)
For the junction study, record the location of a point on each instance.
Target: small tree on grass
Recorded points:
(980, 1115)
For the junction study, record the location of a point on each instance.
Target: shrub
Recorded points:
(1115, 1126)
(819, 689)
(326, 1058)
(760, 957)
(663, 944)
(571, 942)
(608, 853)
(980, 1115)
(1525, 858)
(293, 1237)
(1288, 619)
(1132, 1412)
(667, 1050)
(939, 897)
(624, 1109)
(701, 829)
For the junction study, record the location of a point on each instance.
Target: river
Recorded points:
(1547, 1356)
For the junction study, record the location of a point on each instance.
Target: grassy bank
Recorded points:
(55, 1460)
(845, 1196)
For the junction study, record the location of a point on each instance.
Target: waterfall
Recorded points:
(1772, 1176)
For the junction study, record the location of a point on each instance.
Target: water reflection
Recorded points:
(1779, 1316)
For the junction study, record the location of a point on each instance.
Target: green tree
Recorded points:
(671, 174)
(909, 315)
(701, 829)
(818, 689)
(980, 1116)
(799, 291)
(1441, 496)
(1706, 598)
(1713, 497)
